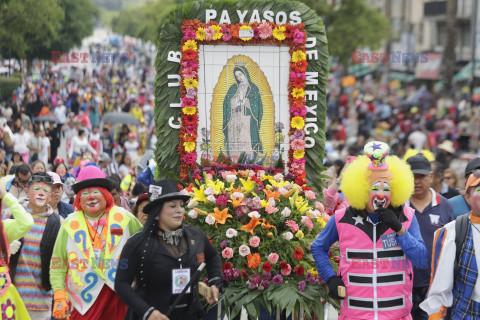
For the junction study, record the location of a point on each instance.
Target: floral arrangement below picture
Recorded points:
(196, 33)
(263, 224)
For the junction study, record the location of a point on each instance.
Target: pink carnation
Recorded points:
(293, 225)
(227, 253)
(190, 158)
(298, 145)
(270, 209)
(265, 30)
(273, 258)
(209, 33)
(287, 270)
(298, 37)
(310, 194)
(254, 241)
(320, 207)
(307, 222)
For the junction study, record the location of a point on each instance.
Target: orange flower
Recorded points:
(253, 260)
(271, 194)
(298, 253)
(190, 187)
(289, 193)
(220, 216)
(268, 226)
(236, 202)
(251, 225)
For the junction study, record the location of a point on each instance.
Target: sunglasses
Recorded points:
(20, 180)
(36, 178)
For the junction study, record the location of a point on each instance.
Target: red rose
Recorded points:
(299, 271)
(267, 267)
(298, 253)
(226, 266)
(244, 274)
(283, 265)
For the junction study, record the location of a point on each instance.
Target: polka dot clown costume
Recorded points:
(379, 240)
(86, 254)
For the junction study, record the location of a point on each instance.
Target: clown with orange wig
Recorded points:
(87, 250)
(379, 239)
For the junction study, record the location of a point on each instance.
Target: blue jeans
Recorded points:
(418, 295)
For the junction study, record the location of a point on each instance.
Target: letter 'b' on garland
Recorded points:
(278, 121)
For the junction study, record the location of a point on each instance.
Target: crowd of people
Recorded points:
(79, 191)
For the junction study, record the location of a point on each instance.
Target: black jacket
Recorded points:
(155, 291)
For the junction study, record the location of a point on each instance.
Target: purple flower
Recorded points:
(289, 176)
(223, 244)
(227, 274)
(266, 275)
(222, 201)
(298, 134)
(260, 189)
(255, 279)
(302, 285)
(310, 278)
(277, 279)
(190, 93)
(265, 284)
(236, 273)
(251, 286)
(241, 211)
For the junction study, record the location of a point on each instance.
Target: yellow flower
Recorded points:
(248, 185)
(278, 184)
(298, 56)
(299, 234)
(301, 205)
(313, 272)
(190, 83)
(298, 93)
(279, 33)
(322, 222)
(246, 28)
(217, 186)
(297, 123)
(267, 177)
(192, 110)
(189, 146)
(217, 35)
(264, 203)
(190, 44)
(298, 154)
(200, 34)
(198, 194)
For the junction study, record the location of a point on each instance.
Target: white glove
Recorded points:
(14, 246)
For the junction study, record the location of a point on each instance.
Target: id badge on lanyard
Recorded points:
(180, 278)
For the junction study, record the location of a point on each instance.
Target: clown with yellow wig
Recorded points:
(379, 239)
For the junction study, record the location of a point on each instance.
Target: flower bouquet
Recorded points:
(263, 223)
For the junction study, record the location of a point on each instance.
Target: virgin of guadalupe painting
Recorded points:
(243, 98)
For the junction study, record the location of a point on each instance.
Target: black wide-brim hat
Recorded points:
(162, 191)
(92, 176)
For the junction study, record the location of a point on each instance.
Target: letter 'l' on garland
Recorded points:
(175, 149)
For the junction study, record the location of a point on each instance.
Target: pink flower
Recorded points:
(293, 225)
(190, 64)
(209, 33)
(273, 258)
(260, 173)
(265, 30)
(297, 76)
(244, 250)
(190, 129)
(186, 102)
(298, 112)
(227, 35)
(320, 207)
(298, 37)
(297, 145)
(254, 241)
(193, 214)
(191, 93)
(287, 236)
(271, 209)
(190, 158)
(287, 270)
(310, 194)
(227, 253)
(307, 222)
(189, 73)
(189, 35)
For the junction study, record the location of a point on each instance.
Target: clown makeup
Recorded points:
(61, 170)
(92, 201)
(474, 200)
(380, 195)
(39, 194)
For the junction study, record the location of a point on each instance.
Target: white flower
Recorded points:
(278, 177)
(287, 236)
(211, 198)
(315, 213)
(286, 212)
(271, 202)
(192, 203)
(231, 177)
(231, 233)
(184, 192)
(209, 219)
(209, 176)
(193, 214)
(256, 200)
(209, 191)
(14, 246)
(238, 195)
(244, 250)
(282, 190)
(254, 214)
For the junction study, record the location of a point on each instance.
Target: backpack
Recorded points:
(461, 229)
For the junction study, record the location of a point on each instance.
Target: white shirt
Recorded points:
(79, 146)
(20, 142)
(61, 113)
(132, 148)
(440, 293)
(43, 154)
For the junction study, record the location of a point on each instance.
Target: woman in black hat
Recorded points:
(163, 257)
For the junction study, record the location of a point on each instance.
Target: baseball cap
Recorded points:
(472, 165)
(419, 164)
(473, 180)
(55, 177)
(104, 157)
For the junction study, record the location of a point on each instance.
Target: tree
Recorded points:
(449, 51)
(21, 20)
(351, 25)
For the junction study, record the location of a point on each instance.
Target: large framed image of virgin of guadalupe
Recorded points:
(249, 84)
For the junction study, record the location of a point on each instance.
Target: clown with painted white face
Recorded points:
(36, 248)
(456, 248)
(379, 239)
(87, 251)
